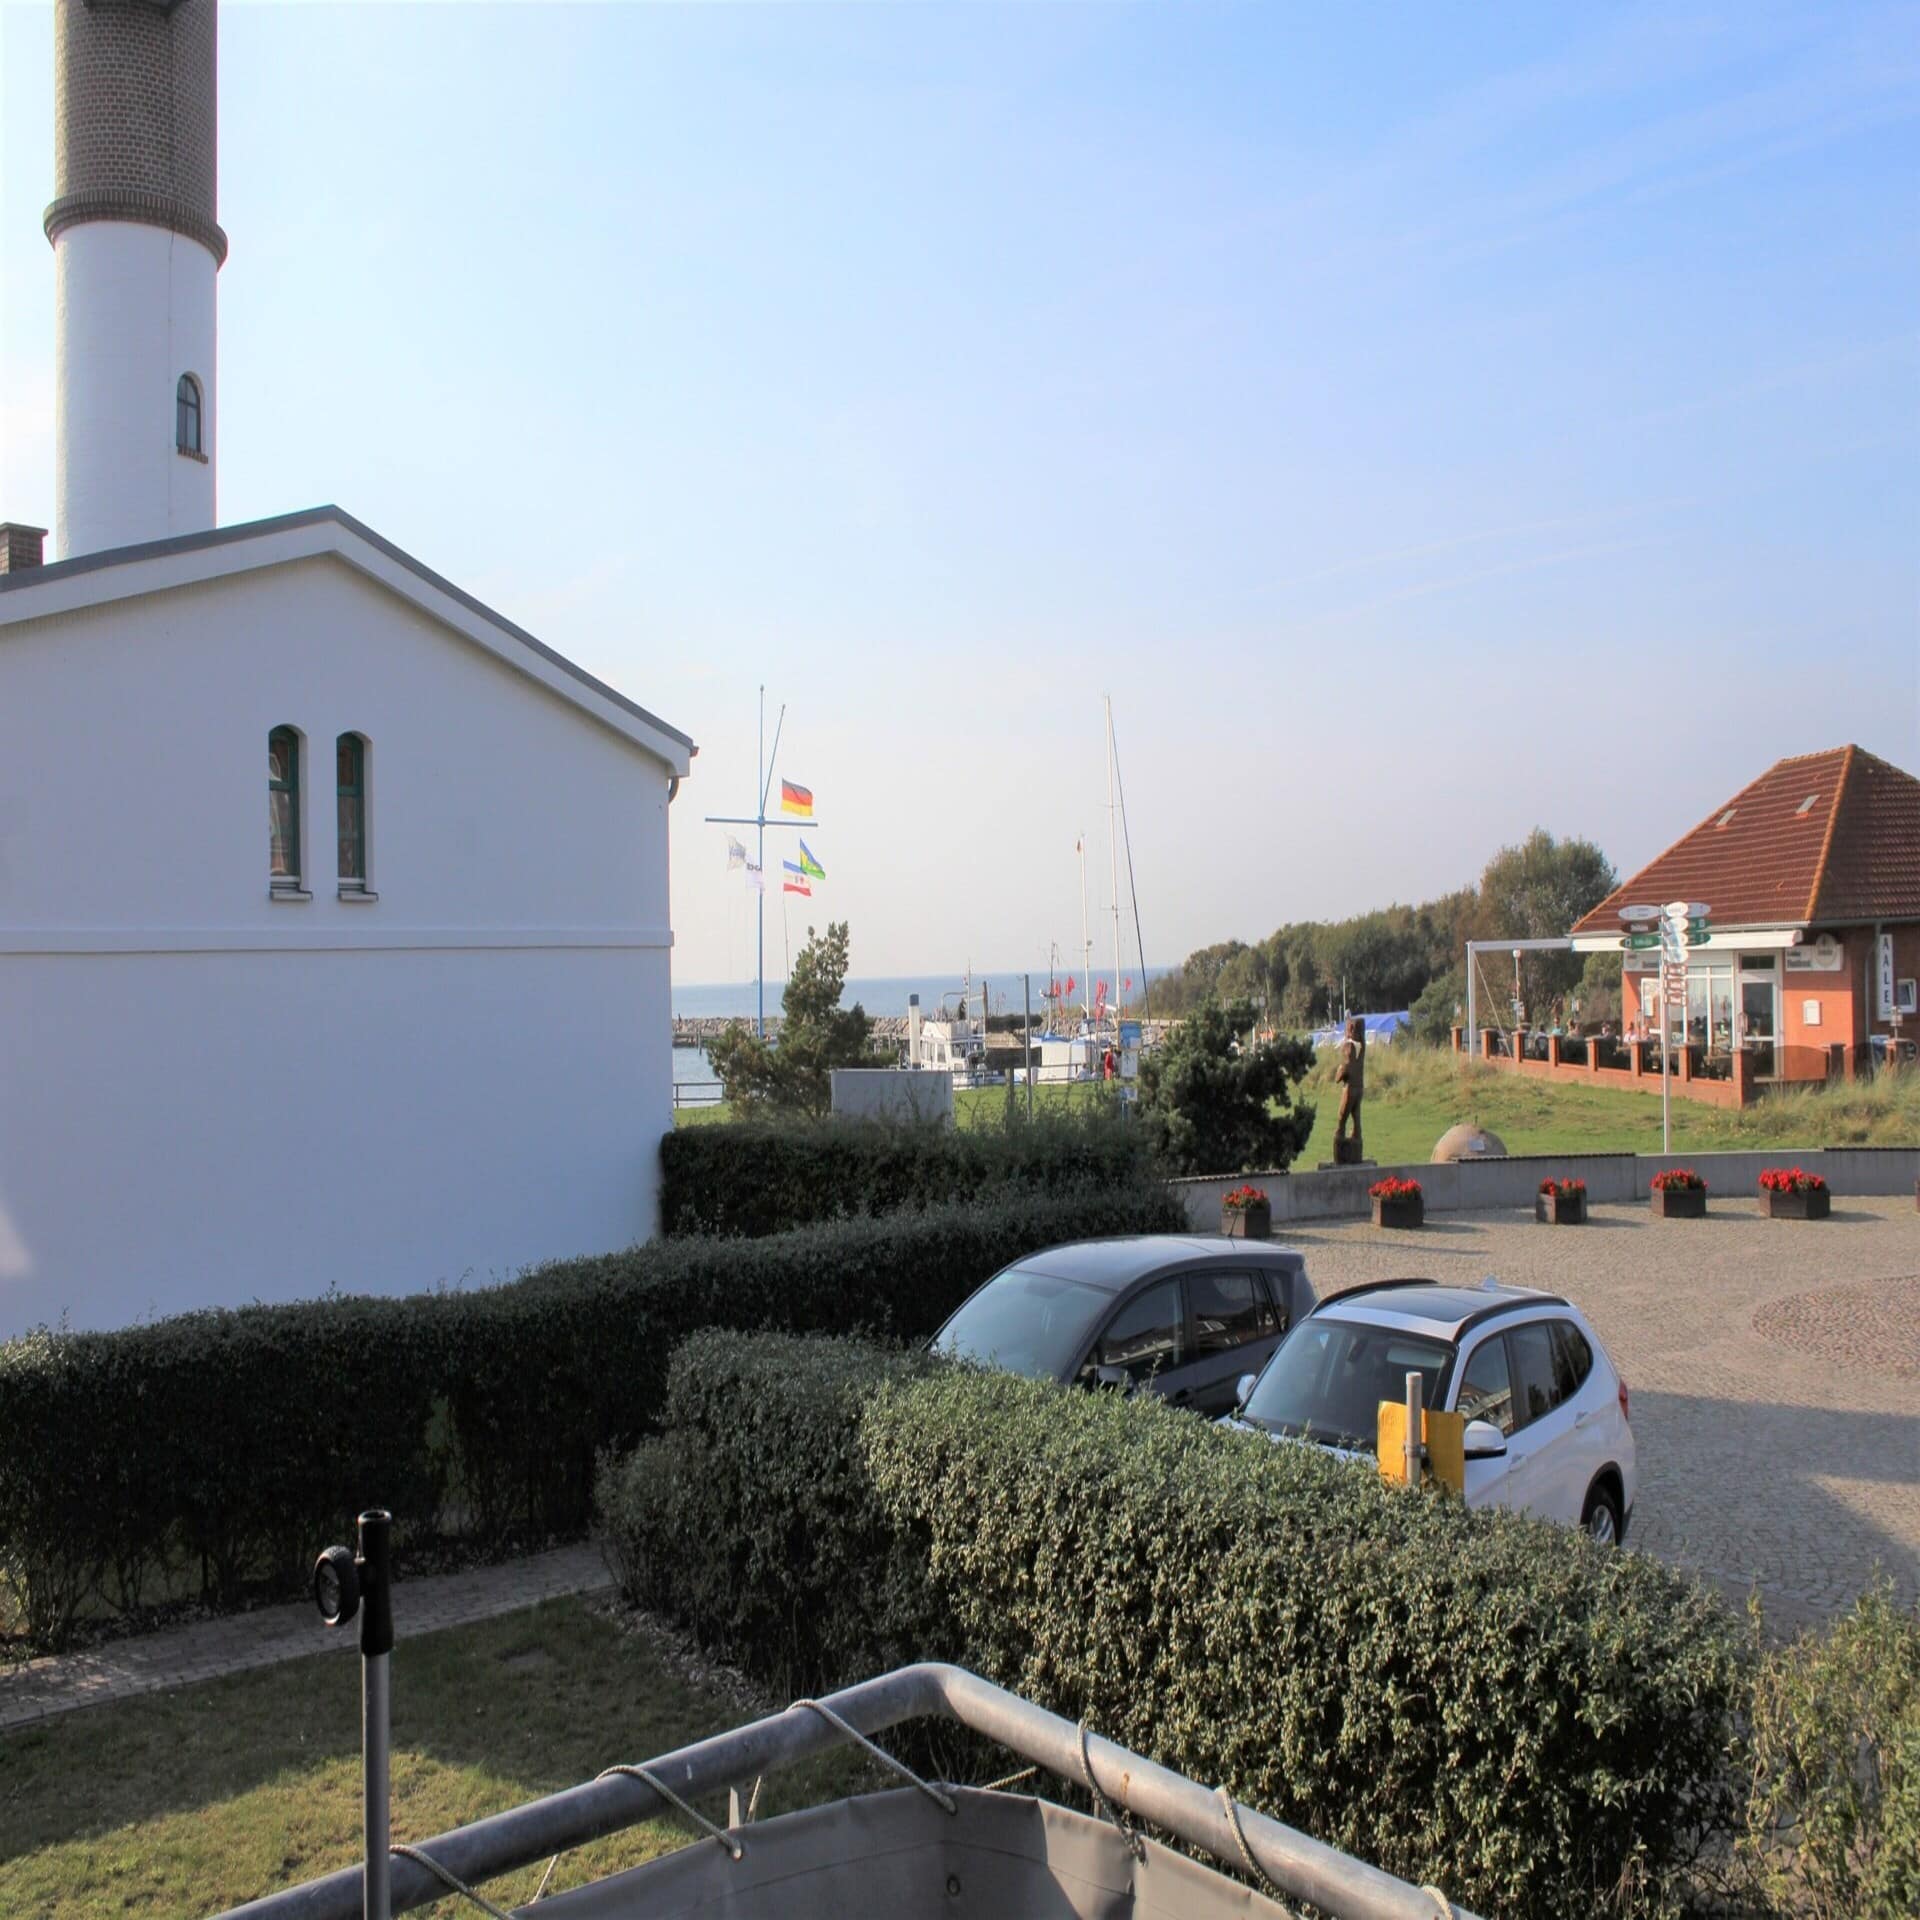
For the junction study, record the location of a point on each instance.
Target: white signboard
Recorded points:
(1823, 955)
(1883, 972)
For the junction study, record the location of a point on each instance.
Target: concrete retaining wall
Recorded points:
(1473, 1185)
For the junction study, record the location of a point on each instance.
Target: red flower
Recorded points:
(1394, 1188)
(1790, 1180)
(1241, 1198)
(1671, 1179)
(1561, 1189)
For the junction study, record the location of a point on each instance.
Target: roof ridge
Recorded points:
(1833, 827)
(1819, 753)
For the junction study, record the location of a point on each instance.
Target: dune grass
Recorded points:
(193, 1801)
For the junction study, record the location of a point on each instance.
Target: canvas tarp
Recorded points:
(1000, 1857)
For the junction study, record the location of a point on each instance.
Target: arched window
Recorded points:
(186, 415)
(283, 810)
(350, 805)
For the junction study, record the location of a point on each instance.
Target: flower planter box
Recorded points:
(1679, 1203)
(1248, 1223)
(1812, 1204)
(1400, 1213)
(1560, 1209)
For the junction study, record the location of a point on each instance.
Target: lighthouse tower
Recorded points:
(137, 249)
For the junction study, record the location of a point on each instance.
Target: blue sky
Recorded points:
(1425, 422)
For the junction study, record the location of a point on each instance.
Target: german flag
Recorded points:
(796, 799)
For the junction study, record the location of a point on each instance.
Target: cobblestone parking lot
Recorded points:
(1774, 1368)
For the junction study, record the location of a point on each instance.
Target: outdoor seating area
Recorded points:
(1716, 1074)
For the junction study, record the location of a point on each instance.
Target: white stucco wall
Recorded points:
(208, 1096)
(135, 308)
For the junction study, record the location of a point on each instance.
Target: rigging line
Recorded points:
(772, 758)
(1126, 832)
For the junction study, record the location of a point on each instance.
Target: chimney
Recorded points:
(20, 547)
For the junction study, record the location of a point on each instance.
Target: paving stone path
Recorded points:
(179, 1656)
(1772, 1368)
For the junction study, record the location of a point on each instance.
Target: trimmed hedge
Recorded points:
(1477, 1700)
(756, 1178)
(221, 1449)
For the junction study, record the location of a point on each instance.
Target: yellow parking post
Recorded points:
(1445, 1437)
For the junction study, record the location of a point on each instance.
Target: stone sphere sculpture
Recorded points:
(1469, 1143)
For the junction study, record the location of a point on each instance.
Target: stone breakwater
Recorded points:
(697, 1030)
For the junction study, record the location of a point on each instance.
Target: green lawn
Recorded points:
(192, 1801)
(1415, 1094)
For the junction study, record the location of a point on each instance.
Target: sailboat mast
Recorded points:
(1113, 854)
(1086, 939)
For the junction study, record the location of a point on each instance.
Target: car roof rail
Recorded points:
(1377, 1286)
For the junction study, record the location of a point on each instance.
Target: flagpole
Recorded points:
(760, 855)
(760, 823)
(1113, 850)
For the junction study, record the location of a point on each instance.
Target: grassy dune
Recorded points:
(1414, 1094)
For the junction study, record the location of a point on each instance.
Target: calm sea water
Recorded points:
(880, 993)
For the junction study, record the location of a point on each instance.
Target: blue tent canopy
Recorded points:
(1380, 1026)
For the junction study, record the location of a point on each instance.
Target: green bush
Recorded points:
(752, 1517)
(1833, 1824)
(219, 1450)
(757, 1178)
(1478, 1700)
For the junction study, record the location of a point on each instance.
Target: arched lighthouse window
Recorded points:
(186, 415)
(283, 809)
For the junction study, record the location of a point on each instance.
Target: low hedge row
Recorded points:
(757, 1178)
(223, 1448)
(1476, 1700)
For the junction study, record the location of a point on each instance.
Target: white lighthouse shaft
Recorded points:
(137, 251)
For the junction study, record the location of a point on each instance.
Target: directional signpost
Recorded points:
(1675, 928)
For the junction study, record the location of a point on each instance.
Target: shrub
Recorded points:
(1833, 1824)
(752, 1520)
(1213, 1103)
(222, 1448)
(1475, 1699)
(758, 1178)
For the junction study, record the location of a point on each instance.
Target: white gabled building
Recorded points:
(334, 940)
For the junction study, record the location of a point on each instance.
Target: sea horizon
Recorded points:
(883, 994)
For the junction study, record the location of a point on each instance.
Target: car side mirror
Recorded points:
(1484, 1441)
(1243, 1390)
(1112, 1377)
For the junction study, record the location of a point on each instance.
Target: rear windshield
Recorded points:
(1327, 1378)
(1024, 1322)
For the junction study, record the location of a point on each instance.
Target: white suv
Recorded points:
(1547, 1412)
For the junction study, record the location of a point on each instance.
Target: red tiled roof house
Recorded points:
(1812, 876)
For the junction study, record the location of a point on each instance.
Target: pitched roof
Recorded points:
(1819, 838)
(93, 579)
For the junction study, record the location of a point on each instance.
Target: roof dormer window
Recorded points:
(1806, 806)
(1724, 818)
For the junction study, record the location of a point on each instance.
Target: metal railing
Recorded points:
(1305, 1868)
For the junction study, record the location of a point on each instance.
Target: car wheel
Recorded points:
(1601, 1519)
